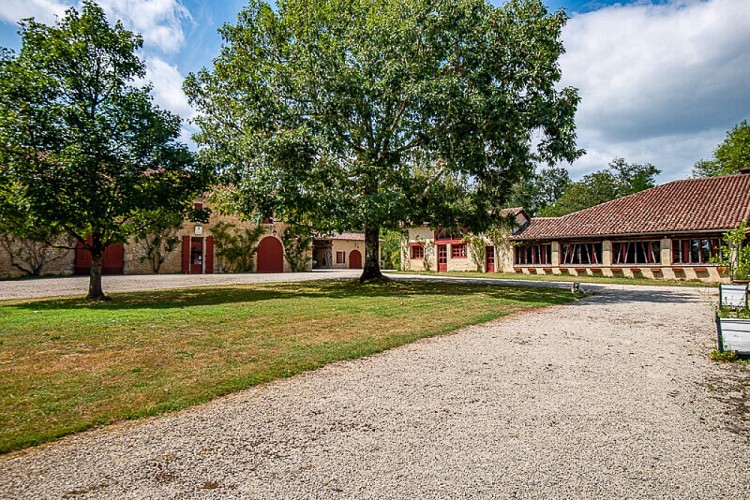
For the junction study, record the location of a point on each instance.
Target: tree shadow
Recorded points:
(312, 290)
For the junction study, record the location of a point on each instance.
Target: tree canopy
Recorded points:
(730, 156)
(84, 151)
(539, 190)
(371, 114)
(619, 179)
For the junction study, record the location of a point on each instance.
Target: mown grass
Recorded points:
(67, 364)
(604, 280)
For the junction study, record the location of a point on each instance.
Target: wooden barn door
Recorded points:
(270, 256)
(83, 260)
(355, 260)
(113, 260)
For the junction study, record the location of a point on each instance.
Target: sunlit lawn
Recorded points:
(67, 364)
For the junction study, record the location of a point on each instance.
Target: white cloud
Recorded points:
(43, 11)
(167, 83)
(673, 154)
(659, 83)
(159, 21)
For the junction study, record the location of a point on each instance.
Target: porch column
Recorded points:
(666, 251)
(606, 253)
(555, 253)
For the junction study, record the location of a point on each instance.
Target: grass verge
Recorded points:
(604, 280)
(67, 364)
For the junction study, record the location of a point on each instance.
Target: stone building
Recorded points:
(445, 250)
(196, 252)
(339, 251)
(671, 231)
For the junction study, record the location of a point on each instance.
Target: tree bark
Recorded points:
(95, 276)
(372, 255)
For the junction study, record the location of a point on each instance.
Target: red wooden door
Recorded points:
(112, 260)
(489, 253)
(196, 256)
(270, 256)
(83, 260)
(355, 260)
(442, 254)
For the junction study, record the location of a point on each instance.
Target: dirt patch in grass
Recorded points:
(67, 364)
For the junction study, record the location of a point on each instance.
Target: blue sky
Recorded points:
(661, 81)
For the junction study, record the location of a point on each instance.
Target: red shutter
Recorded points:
(210, 255)
(185, 254)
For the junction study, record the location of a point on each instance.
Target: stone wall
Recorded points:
(425, 236)
(133, 250)
(346, 246)
(62, 264)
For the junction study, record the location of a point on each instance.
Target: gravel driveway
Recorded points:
(611, 396)
(79, 285)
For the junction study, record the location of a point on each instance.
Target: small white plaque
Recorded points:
(198, 229)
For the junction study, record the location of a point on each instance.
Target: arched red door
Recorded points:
(270, 256)
(355, 260)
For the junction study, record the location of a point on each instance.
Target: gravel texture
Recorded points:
(612, 396)
(79, 285)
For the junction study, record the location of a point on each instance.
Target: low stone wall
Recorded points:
(707, 274)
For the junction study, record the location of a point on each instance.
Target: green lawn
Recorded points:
(68, 364)
(604, 280)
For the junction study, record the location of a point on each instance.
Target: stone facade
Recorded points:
(134, 263)
(429, 242)
(61, 263)
(339, 251)
(346, 248)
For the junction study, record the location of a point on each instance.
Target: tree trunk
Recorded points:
(372, 255)
(95, 276)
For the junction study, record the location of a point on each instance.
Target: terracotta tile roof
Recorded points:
(505, 212)
(706, 204)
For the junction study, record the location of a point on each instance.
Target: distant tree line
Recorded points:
(731, 156)
(551, 193)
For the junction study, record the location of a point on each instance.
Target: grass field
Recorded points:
(604, 280)
(67, 364)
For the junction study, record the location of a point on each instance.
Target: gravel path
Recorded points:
(610, 397)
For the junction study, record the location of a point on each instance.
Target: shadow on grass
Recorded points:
(332, 290)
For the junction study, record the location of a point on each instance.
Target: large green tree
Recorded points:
(83, 150)
(730, 156)
(365, 115)
(539, 190)
(619, 179)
